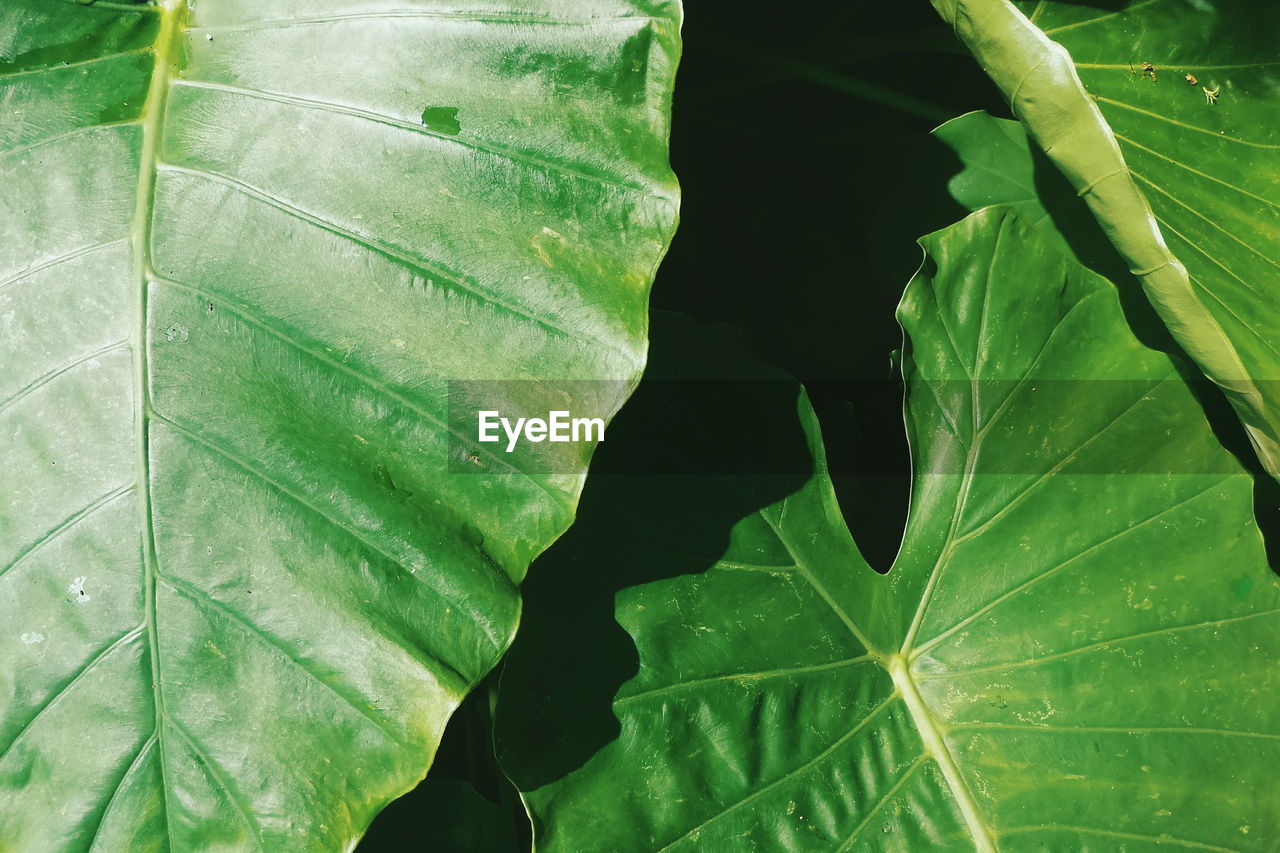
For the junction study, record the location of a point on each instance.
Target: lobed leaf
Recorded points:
(1073, 649)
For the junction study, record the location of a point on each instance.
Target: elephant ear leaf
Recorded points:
(247, 567)
(1073, 649)
(1165, 117)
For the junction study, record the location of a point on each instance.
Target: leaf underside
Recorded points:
(1172, 136)
(242, 254)
(1072, 651)
(1208, 164)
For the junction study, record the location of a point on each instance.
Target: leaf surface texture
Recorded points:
(243, 576)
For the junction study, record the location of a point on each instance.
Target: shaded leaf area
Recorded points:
(1057, 660)
(1001, 166)
(448, 816)
(244, 581)
(466, 802)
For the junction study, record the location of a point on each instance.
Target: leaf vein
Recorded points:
(1225, 307)
(1124, 836)
(199, 597)
(115, 7)
(425, 14)
(45, 69)
(512, 155)
(1124, 730)
(65, 688)
(1100, 18)
(1047, 573)
(66, 524)
(1211, 223)
(1121, 104)
(805, 572)
(267, 326)
(57, 372)
(60, 259)
(460, 681)
(792, 774)
(1065, 460)
(115, 792)
(220, 779)
(1101, 644)
(888, 795)
(759, 675)
(390, 252)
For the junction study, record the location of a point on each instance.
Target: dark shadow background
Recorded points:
(808, 173)
(801, 140)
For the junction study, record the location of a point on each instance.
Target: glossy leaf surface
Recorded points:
(1074, 649)
(245, 571)
(1174, 104)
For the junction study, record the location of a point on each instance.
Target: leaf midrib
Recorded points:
(936, 747)
(152, 127)
(898, 667)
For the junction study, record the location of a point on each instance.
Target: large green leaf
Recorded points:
(1176, 103)
(247, 572)
(1074, 649)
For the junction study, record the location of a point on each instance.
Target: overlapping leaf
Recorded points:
(1191, 105)
(1074, 649)
(243, 246)
(1000, 165)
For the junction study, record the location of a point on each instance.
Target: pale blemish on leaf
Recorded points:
(539, 242)
(76, 590)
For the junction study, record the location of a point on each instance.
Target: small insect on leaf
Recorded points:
(1211, 95)
(1148, 71)
(1191, 80)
